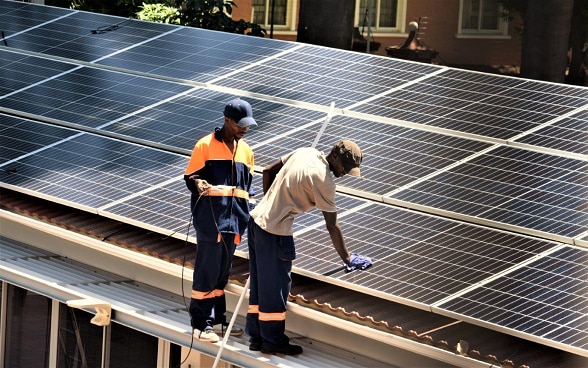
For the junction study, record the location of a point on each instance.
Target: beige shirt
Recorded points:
(305, 182)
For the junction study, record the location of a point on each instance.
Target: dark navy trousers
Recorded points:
(212, 268)
(270, 264)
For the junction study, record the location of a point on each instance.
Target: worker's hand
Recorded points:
(202, 186)
(357, 262)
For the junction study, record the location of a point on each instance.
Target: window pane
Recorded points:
(131, 348)
(364, 16)
(387, 10)
(481, 15)
(27, 328)
(79, 340)
(490, 15)
(258, 11)
(470, 14)
(280, 12)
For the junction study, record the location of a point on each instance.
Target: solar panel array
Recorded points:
(474, 202)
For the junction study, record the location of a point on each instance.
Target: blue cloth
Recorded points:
(357, 262)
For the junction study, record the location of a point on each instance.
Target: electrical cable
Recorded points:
(112, 27)
(182, 278)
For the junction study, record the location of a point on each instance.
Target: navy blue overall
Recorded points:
(266, 317)
(220, 218)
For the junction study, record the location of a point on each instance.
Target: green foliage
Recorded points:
(158, 13)
(208, 14)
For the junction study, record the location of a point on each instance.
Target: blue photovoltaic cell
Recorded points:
(91, 97)
(486, 105)
(512, 186)
(22, 136)
(181, 121)
(86, 36)
(92, 171)
(547, 298)
(19, 16)
(569, 134)
(166, 207)
(18, 71)
(393, 156)
(196, 54)
(417, 257)
(323, 75)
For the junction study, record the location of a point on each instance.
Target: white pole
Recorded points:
(231, 323)
(327, 119)
(369, 24)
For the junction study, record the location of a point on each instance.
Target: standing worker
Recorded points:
(219, 175)
(294, 184)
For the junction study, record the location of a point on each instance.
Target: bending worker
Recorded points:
(294, 184)
(219, 175)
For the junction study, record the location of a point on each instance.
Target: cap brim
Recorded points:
(246, 121)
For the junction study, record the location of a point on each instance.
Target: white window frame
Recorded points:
(400, 17)
(500, 32)
(291, 13)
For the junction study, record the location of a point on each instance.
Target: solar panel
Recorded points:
(569, 134)
(21, 136)
(196, 54)
(90, 171)
(395, 156)
(90, 97)
(485, 105)
(16, 16)
(546, 299)
(532, 190)
(181, 121)
(83, 36)
(420, 259)
(19, 71)
(320, 75)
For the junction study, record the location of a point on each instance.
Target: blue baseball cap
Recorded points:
(240, 111)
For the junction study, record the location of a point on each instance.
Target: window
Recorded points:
(482, 17)
(80, 342)
(262, 13)
(28, 327)
(386, 15)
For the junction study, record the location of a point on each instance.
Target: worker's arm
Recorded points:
(269, 174)
(336, 235)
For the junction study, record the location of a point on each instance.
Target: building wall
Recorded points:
(439, 31)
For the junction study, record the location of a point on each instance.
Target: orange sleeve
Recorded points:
(198, 157)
